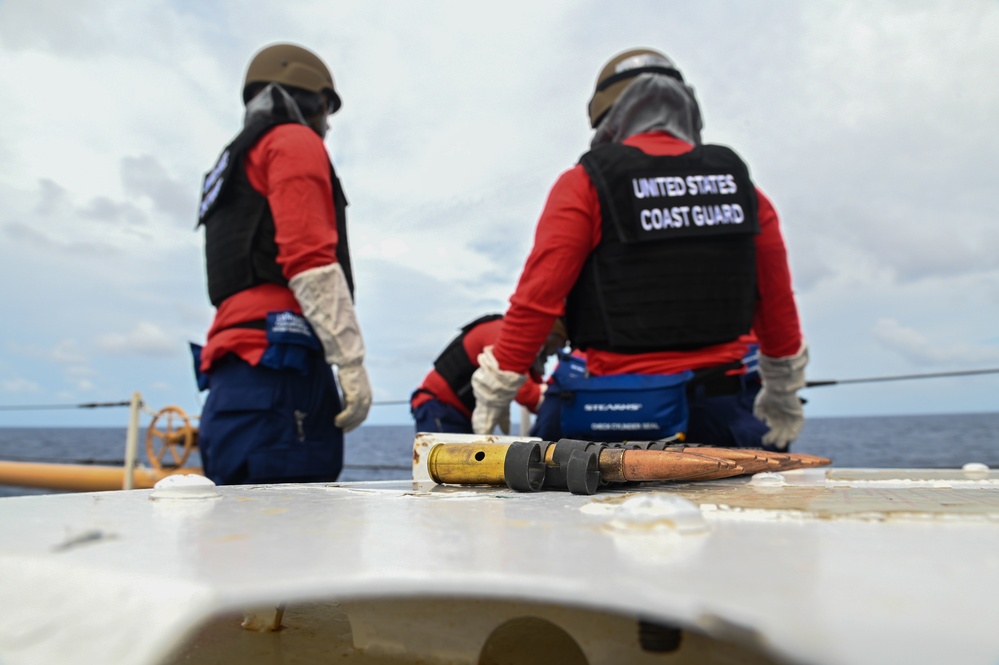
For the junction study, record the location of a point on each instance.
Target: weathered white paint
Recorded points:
(828, 566)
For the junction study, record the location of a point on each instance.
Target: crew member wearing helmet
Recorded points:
(279, 275)
(665, 260)
(444, 401)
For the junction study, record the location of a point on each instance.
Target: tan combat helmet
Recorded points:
(291, 65)
(618, 73)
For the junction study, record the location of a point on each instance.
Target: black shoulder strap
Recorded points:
(454, 365)
(479, 321)
(214, 184)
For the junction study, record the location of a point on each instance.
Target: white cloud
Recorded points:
(869, 124)
(83, 385)
(81, 371)
(919, 349)
(145, 339)
(68, 353)
(19, 385)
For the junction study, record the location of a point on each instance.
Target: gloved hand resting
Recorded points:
(777, 403)
(326, 303)
(356, 396)
(494, 389)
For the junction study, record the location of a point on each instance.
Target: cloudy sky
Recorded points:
(872, 126)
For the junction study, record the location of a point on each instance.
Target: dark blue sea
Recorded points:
(384, 452)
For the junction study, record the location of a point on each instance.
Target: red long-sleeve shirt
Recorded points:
(290, 167)
(570, 229)
(475, 341)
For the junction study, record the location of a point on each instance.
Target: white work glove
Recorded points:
(777, 403)
(494, 389)
(356, 396)
(326, 304)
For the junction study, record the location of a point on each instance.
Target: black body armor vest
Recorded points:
(454, 365)
(240, 250)
(676, 265)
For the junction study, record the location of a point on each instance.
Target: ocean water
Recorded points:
(384, 452)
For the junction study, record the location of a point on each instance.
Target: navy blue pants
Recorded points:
(436, 416)
(547, 424)
(262, 425)
(717, 420)
(726, 420)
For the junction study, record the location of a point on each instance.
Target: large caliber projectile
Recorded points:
(746, 461)
(520, 466)
(805, 461)
(581, 466)
(751, 460)
(628, 465)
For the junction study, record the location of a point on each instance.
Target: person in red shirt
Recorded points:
(279, 275)
(444, 401)
(664, 258)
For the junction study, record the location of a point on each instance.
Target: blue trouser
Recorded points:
(547, 424)
(726, 420)
(263, 425)
(716, 420)
(436, 416)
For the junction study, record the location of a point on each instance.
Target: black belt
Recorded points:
(255, 324)
(715, 381)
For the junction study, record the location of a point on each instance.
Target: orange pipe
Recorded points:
(80, 477)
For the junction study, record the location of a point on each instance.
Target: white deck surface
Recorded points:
(822, 566)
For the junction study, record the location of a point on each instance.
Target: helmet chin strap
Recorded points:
(274, 101)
